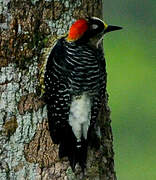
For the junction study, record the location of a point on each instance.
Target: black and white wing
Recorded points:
(58, 99)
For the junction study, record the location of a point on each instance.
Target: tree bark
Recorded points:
(28, 30)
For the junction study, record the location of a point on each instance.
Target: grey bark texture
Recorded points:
(27, 30)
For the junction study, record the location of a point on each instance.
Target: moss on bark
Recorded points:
(29, 153)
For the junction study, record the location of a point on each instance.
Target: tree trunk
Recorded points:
(28, 29)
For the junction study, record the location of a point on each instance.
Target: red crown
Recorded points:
(77, 30)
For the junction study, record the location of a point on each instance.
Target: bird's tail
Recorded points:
(75, 151)
(68, 145)
(81, 155)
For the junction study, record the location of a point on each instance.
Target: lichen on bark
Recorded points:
(26, 149)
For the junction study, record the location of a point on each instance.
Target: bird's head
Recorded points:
(90, 28)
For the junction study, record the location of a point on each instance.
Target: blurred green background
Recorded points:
(131, 66)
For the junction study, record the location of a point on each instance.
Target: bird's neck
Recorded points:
(96, 41)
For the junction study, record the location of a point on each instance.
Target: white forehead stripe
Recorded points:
(96, 18)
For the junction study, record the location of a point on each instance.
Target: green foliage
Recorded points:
(130, 57)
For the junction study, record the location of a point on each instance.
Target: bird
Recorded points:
(75, 84)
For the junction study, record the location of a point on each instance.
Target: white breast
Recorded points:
(80, 115)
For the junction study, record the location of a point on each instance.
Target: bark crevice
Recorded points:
(26, 149)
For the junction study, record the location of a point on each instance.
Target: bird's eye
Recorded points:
(94, 26)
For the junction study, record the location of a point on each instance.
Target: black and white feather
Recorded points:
(75, 82)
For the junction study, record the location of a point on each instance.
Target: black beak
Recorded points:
(111, 28)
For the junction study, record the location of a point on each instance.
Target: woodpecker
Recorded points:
(75, 83)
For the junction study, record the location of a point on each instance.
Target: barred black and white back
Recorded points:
(75, 82)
